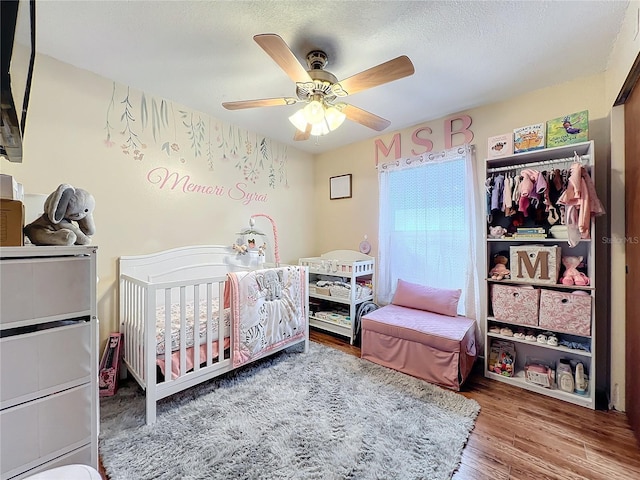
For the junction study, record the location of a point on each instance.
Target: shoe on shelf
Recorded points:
(494, 329)
(506, 331)
(552, 340)
(519, 335)
(542, 338)
(530, 338)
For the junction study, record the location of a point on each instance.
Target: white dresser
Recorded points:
(48, 359)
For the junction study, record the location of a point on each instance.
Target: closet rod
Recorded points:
(583, 159)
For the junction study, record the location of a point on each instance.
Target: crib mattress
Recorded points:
(437, 348)
(189, 323)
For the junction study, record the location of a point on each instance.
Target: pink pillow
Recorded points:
(421, 297)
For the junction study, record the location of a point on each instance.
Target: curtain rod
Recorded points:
(583, 158)
(429, 156)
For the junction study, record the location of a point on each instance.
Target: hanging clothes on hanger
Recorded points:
(581, 203)
(542, 206)
(528, 194)
(488, 188)
(497, 192)
(507, 196)
(516, 189)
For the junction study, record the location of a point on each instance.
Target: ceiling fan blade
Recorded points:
(365, 118)
(303, 135)
(264, 102)
(280, 52)
(395, 69)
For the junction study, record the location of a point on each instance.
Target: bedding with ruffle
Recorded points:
(268, 310)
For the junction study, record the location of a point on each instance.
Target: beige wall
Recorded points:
(342, 223)
(65, 143)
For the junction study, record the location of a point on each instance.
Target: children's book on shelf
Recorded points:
(531, 137)
(530, 230)
(568, 129)
(502, 358)
(500, 146)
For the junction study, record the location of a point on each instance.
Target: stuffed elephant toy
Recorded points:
(271, 282)
(61, 209)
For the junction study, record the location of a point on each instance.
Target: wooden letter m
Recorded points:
(541, 263)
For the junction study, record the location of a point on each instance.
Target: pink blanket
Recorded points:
(267, 310)
(189, 364)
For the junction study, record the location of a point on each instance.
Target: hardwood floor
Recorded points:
(520, 435)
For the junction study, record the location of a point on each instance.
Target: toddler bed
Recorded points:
(420, 334)
(193, 313)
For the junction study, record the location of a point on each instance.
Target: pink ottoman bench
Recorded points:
(439, 348)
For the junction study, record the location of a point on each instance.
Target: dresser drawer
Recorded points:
(44, 362)
(80, 456)
(42, 430)
(44, 288)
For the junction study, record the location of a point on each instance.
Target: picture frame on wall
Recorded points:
(340, 187)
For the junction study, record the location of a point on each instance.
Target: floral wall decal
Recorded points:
(107, 141)
(209, 140)
(132, 142)
(159, 116)
(195, 131)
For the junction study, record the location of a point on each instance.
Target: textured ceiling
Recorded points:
(202, 53)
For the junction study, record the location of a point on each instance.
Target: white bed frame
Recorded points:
(178, 275)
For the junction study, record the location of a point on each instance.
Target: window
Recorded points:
(425, 232)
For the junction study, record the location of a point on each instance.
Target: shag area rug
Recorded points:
(321, 415)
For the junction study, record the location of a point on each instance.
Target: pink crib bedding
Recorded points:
(268, 310)
(189, 363)
(437, 348)
(190, 326)
(175, 324)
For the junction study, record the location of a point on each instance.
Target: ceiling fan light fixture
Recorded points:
(299, 121)
(314, 112)
(322, 117)
(334, 117)
(319, 129)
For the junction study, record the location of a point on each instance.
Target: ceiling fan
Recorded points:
(321, 90)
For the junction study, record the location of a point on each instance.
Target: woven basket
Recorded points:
(339, 291)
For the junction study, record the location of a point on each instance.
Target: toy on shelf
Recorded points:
(572, 276)
(497, 232)
(539, 372)
(500, 270)
(502, 358)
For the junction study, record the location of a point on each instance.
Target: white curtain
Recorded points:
(428, 230)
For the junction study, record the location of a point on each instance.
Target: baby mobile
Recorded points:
(249, 233)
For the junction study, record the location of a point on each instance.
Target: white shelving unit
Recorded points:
(48, 359)
(349, 265)
(544, 159)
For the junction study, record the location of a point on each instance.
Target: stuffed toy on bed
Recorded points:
(61, 209)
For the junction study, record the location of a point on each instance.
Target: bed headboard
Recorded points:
(186, 263)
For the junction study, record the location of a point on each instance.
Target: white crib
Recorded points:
(187, 286)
